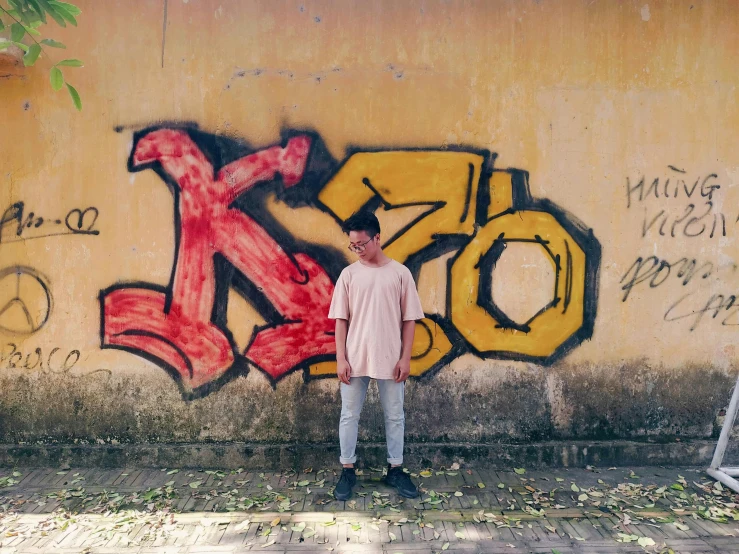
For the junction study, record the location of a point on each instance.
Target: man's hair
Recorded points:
(362, 221)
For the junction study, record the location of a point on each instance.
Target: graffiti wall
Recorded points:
(466, 208)
(557, 177)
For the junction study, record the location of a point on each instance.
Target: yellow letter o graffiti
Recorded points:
(552, 326)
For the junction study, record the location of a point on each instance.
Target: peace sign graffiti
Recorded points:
(25, 300)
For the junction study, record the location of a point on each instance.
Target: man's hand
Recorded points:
(343, 370)
(402, 370)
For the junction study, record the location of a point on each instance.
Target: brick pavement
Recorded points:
(461, 510)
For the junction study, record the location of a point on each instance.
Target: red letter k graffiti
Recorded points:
(173, 326)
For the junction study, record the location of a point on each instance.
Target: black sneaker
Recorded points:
(399, 479)
(348, 479)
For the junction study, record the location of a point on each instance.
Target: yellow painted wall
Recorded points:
(588, 98)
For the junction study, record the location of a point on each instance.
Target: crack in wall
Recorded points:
(164, 30)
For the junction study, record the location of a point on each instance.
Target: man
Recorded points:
(375, 305)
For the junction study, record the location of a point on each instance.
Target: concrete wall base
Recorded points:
(299, 456)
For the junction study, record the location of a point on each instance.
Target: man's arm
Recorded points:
(403, 367)
(343, 369)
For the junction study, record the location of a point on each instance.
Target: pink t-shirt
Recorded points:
(375, 301)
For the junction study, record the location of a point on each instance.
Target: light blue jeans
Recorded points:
(392, 395)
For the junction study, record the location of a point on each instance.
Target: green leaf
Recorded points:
(519, 470)
(574, 488)
(53, 43)
(70, 8)
(71, 63)
(75, 97)
(56, 77)
(23, 15)
(61, 9)
(52, 12)
(38, 9)
(69, 17)
(34, 21)
(2, 25)
(21, 46)
(677, 487)
(17, 32)
(31, 30)
(32, 55)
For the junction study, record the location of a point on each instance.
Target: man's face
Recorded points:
(363, 245)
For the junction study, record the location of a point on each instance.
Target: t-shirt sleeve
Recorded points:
(410, 303)
(340, 300)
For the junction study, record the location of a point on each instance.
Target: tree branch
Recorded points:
(26, 28)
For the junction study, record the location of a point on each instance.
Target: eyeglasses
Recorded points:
(359, 248)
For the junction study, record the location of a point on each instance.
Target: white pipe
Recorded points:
(719, 475)
(723, 440)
